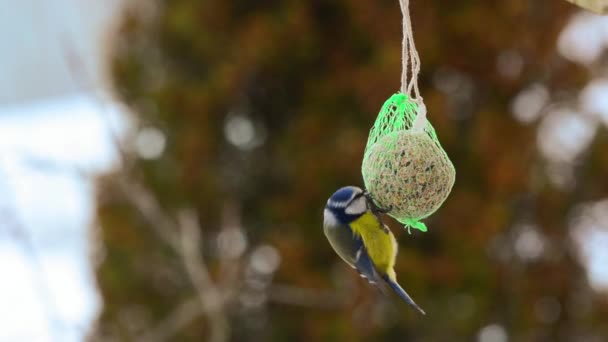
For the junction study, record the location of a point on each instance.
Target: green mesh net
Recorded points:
(404, 168)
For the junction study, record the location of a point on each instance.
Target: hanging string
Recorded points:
(410, 63)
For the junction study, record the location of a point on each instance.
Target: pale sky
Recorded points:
(43, 147)
(33, 34)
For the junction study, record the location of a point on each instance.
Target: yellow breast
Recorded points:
(380, 244)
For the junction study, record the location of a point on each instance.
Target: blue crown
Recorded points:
(339, 200)
(343, 195)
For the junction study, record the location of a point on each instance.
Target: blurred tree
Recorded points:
(263, 108)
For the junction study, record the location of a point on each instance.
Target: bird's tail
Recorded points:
(401, 292)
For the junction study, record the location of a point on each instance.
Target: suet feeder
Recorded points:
(404, 167)
(405, 170)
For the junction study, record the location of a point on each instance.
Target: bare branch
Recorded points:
(191, 247)
(210, 297)
(183, 315)
(187, 244)
(151, 211)
(230, 266)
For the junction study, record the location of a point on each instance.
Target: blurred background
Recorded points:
(164, 166)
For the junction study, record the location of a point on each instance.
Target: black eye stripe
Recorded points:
(355, 197)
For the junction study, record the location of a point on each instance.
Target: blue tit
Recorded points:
(353, 227)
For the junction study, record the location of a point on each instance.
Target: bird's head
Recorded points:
(345, 205)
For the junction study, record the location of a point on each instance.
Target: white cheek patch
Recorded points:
(357, 207)
(329, 219)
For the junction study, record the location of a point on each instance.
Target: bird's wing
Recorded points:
(351, 249)
(367, 270)
(344, 242)
(365, 267)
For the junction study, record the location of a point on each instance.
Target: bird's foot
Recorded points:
(377, 211)
(373, 207)
(384, 210)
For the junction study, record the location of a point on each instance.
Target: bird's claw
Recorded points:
(384, 210)
(384, 227)
(377, 211)
(374, 208)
